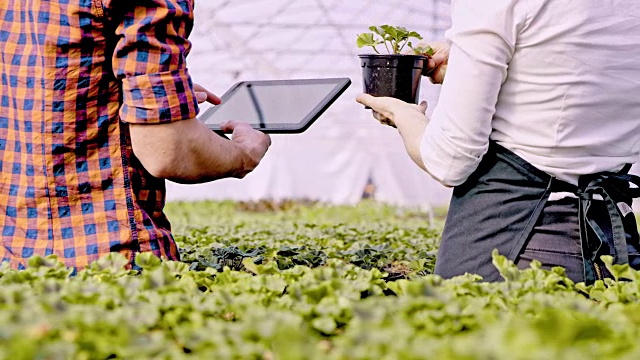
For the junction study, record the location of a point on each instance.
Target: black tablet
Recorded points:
(276, 106)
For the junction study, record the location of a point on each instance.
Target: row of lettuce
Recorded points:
(295, 285)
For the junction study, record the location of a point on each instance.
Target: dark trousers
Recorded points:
(555, 240)
(504, 205)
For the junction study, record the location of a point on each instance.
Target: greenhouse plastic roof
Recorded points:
(242, 39)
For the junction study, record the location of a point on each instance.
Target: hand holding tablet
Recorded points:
(276, 106)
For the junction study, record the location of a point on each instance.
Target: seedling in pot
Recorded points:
(394, 39)
(393, 74)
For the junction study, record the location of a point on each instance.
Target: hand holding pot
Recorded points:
(438, 62)
(389, 111)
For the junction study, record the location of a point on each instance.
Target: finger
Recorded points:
(233, 126)
(374, 103)
(213, 98)
(201, 96)
(210, 97)
(383, 119)
(388, 122)
(229, 126)
(364, 99)
(431, 67)
(439, 59)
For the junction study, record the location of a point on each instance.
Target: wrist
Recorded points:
(412, 129)
(245, 164)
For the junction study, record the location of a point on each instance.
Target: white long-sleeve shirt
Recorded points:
(555, 81)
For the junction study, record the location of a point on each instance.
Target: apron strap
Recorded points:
(613, 188)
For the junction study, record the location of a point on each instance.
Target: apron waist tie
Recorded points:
(613, 188)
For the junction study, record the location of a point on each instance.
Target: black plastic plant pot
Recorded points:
(395, 76)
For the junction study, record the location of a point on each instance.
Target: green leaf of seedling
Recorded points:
(366, 39)
(377, 30)
(415, 35)
(391, 37)
(402, 35)
(394, 38)
(422, 49)
(390, 31)
(428, 51)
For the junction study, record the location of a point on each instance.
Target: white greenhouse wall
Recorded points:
(279, 39)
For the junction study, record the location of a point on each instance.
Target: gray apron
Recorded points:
(501, 202)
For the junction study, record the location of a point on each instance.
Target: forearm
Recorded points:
(411, 126)
(188, 152)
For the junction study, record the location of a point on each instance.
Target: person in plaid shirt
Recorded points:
(97, 108)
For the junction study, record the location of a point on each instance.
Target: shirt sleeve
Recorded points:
(150, 59)
(483, 38)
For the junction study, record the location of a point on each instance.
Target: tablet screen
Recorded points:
(283, 105)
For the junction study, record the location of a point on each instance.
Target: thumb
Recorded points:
(423, 106)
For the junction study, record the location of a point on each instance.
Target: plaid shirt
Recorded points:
(74, 74)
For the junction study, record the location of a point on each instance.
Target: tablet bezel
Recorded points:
(341, 84)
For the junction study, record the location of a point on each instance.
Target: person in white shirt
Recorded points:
(538, 119)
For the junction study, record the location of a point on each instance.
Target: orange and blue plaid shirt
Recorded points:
(74, 74)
